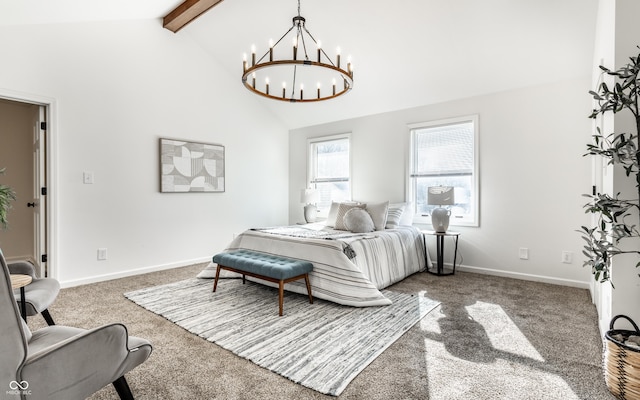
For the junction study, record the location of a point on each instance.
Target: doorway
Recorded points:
(23, 155)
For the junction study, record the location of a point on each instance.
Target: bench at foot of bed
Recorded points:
(271, 268)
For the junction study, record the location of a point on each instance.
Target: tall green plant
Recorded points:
(7, 195)
(615, 215)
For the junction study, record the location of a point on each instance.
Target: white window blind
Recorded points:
(444, 150)
(444, 153)
(330, 169)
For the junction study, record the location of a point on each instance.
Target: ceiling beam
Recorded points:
(186, 12)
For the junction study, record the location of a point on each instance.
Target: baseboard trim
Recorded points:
(131, 272)
(464, 268)
(525, 277)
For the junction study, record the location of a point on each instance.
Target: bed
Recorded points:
(349, 268)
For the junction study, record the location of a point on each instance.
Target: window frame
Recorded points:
(411, 181)
(312, 164)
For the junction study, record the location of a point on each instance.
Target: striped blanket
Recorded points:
(348, 268)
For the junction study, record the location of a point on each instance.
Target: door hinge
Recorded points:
(43, 191)
(593, 190)
(44, 258)
(43, 126)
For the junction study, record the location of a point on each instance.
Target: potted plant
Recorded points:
(615, 216)
(615, 219)
(7, 195)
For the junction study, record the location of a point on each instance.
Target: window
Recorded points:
(444, 153)
(330, 170)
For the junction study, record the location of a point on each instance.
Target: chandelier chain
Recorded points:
(304, 44)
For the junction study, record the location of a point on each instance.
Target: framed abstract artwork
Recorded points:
(191, 167)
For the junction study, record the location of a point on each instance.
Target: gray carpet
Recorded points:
(322, 346)
(491, 338)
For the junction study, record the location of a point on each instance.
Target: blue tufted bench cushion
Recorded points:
(272, 268)
(262, 264)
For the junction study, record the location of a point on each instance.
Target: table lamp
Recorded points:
(440, 196)
(309, 197)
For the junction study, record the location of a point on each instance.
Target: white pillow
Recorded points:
(378, 212)
(394, 215)
(342, 210)
(407, 214)
(358, 220)
(333, 213)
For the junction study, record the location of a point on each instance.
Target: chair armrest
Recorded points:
(78, 365)
(22, 267)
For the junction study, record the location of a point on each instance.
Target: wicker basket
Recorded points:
(621, 363)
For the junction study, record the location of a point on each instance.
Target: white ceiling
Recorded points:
(59, 11)
(406, 53)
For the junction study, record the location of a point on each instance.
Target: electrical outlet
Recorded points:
(567, 257)
(102, 254)
(523, 253)
(87, 178)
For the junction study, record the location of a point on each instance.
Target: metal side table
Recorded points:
(440, 236)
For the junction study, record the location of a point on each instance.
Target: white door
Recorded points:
(39, 203)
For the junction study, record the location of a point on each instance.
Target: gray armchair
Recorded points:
(59, 362)
(39, 294)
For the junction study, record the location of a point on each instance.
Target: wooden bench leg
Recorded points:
(280, 282)
(215, 283)
(281, 296)
(306, 280)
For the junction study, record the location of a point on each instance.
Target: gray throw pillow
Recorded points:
(342, 210)
(358, 220)
(394, 215)
(378, 212)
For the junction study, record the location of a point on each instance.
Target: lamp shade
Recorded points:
(440, 196)
(309, 196)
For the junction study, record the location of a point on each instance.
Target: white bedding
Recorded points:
(348, 268)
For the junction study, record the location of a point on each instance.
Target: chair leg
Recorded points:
(47, 317)
(122, 387)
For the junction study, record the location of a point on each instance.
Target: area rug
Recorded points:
(322, 346)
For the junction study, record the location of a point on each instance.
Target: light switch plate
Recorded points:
(523, 253)
(87, 178)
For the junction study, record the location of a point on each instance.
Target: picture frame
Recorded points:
(188, 166)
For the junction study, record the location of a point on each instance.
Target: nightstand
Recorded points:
(440, 236)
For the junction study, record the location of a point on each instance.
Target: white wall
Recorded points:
(532, 174)
(118, 87)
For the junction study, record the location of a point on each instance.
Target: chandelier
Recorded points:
(296, 70)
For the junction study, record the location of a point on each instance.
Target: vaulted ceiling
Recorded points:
(406, 53)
